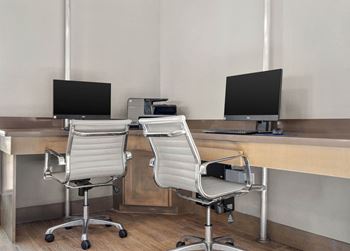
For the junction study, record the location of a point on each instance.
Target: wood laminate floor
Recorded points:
(145, 233)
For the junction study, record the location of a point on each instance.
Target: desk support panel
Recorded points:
(8, 196)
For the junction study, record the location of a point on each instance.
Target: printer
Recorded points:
(149, 108)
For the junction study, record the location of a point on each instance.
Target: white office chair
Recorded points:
(96, 148)
(177, 165)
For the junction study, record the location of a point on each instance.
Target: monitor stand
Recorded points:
(66, 125)
(264, 126)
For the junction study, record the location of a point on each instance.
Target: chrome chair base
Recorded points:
(223, 243)
(219, 243)
(85, 222)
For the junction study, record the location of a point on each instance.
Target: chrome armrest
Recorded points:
(47, 168)
(165, 134)
(247, 168)
(248, 171)
(128, 155)
(151, 162)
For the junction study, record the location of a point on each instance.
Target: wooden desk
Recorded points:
(307, 153)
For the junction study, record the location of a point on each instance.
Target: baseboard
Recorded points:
(56, 210)
(292, 237)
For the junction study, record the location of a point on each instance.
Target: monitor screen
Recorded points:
(254, 96)
(77, 99)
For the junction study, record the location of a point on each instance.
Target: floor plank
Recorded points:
(145, 233)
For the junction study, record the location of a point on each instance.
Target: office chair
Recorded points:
(96, 148)
(177, 165)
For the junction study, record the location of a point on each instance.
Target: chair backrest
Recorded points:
(177, 160)
(96, 148)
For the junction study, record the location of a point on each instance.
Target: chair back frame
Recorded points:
(73, 132)
(176, 133)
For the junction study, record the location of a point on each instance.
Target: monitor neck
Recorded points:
(265, 126)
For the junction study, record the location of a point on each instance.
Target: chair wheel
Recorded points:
(85, 244)
(180, 244)
(67, 228)
(230, 243)
(123, 233)
(49, 237)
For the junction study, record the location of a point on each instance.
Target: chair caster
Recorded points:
(85, 244)
(49, 237)
(230, 243)
(123, 233)
(180, 244)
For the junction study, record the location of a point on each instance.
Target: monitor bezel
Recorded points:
(80, 116)
(264, 117)
(253, 117)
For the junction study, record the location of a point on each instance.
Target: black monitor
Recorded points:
(79, 100)
(254, 96)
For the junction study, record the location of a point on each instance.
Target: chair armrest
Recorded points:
(128, 155)
(151, 162)
(47, 168)
(247, 168)
(60, 157)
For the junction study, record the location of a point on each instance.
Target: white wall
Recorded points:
(31, 55)
(204, 41)
(118, 42)
(112, 41)
(311, 43)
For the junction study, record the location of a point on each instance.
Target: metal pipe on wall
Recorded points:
(267, 35)
(266, 66)
(67, 60)
(67, 45)
(263, 207)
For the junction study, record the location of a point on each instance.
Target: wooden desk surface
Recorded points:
(315, 153)
(292, 138)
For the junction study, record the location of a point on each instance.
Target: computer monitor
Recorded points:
(80, 100)
(254, 96)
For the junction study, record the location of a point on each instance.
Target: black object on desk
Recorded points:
(230, 131)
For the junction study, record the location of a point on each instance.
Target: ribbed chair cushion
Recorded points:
(97, 156)
(215, 187)
(176, 163)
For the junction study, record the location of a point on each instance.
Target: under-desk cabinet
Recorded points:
(140, 192)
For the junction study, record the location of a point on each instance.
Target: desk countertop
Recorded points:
(315, 139)
(299, 152)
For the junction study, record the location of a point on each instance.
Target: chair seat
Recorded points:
(215, 187)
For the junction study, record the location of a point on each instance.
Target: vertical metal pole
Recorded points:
(267, 35)
(208, 229)
(67, 54)
(266, 66)
(263, 208)
(67, 204)
(67, 57)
